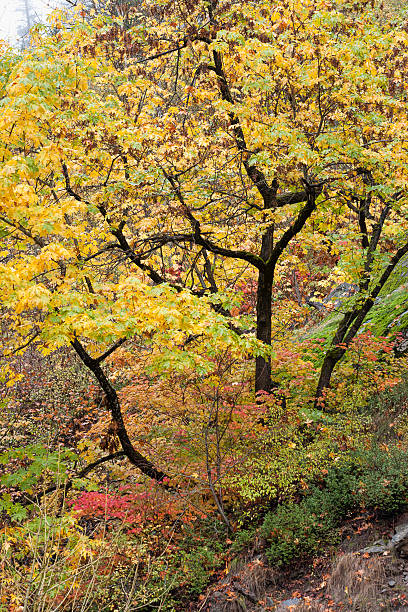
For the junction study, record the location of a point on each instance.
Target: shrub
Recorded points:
(375, 479)
(198, 566)
(296, 530)
(383, 484)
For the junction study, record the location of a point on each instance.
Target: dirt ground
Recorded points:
(344, 579)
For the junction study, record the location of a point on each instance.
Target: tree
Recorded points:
(371, 281)
(26, 10)
(147, 175)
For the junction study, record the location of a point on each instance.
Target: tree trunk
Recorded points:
(330, 361)
(263, 329)
(350, 325)
(112, 400)
(264, 313)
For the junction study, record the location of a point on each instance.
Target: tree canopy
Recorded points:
(181, 185)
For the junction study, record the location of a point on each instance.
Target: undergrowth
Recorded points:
(374, 479)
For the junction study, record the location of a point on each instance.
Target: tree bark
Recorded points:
(330, 361)
(112, 400)
(270, 254)
(263, 380)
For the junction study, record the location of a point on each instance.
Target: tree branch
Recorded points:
(136, 458)
(199, 238)
(312, 191)
(23, 346)
(110, 350)
(68, 485)
(27, 233)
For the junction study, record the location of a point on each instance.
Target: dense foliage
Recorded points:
(203, 227)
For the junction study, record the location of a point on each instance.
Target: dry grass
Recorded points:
(241, 589)
(356, 582)
(256, 577)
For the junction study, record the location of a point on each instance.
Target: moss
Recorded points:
(388, 315)
(398, 278)
(327, 327)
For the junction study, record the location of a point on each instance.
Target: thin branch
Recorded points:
(312, 193)
(110, 171)
(69, 484)
(23, 346)
(68, 187)
(110, 350)
(205, 242)
(38, 241)
(162, 53)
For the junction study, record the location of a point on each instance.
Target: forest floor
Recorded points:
(344, 579)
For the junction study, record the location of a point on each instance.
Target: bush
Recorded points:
(339, 497)
(296, 530)
(383, 485)
(198, 567)
(392, 399)
(200, 552)
(243, 540)
(375, 479)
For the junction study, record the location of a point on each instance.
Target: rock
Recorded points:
(397, 319)
(315, 304)
(335, 297)
(399, 541)
(375, 549)
(401, 345)
(379, 546)
(342, 291)
(288, 603)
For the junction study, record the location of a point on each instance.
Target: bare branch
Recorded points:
(205, 242)
(110, 350)
(112, 400)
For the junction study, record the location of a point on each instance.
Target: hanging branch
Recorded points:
(112, 400)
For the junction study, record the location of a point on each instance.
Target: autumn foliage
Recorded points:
(182, 185)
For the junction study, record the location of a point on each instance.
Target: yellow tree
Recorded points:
(150, 161)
